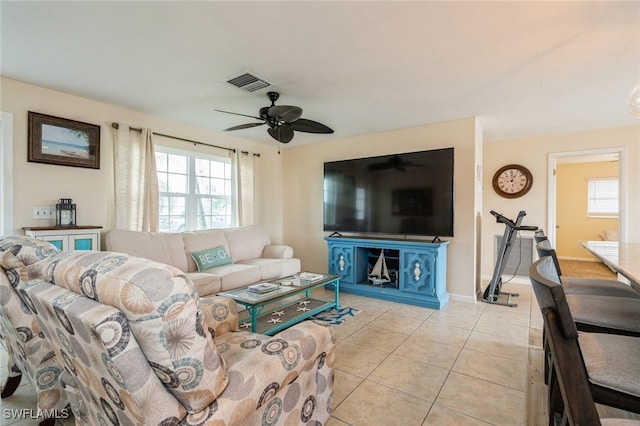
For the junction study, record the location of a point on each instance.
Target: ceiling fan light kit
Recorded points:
(282, 120)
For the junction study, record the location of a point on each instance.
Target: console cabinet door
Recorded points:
(68, 239)
(84, 241)
(60, 241)
(417, 272)
(341, 262)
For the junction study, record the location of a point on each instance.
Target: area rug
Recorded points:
(577, 268)
(336, 316)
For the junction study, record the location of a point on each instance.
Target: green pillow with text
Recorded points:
(210, 258)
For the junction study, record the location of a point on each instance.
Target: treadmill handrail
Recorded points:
(511, 224)
(502, 219)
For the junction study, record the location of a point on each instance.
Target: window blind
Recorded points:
(602, 197)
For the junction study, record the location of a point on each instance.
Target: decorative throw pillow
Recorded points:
(210, 258)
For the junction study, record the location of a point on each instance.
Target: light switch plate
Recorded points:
(44, 212)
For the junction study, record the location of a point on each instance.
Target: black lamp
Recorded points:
(65, 212)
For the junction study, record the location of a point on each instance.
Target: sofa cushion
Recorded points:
(271, 269)
(615, 313)
(203, 240)
(206, 259)
(22, 259)
(247, 242)
(104, 359)
(260, 366)
(17, 252)
(236, 275)
(160, 247)
(29, 353)
(220, 315)
(609, 359)
(163, 312)
(206, 284)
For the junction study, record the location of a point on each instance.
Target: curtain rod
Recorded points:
(139, 130)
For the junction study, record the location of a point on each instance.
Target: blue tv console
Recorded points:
(418, 269)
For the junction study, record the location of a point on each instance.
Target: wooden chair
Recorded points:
(539, 235)
(579, 285)
(597, 305)
(600, 306)
(586, 367)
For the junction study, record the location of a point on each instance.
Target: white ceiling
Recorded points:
(523, 68)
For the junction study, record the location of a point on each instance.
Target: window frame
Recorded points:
(191, 208)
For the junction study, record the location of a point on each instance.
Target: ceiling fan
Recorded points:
(282, 120)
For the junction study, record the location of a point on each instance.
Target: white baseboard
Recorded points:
(462, 298)
(478, 297)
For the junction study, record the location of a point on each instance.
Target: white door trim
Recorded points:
(6, 174)
(551, 190)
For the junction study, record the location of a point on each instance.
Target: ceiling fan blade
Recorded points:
(282, 133)
(286, 113)
(310, 126)
(235, 113)
(243, 126)
(376, 167)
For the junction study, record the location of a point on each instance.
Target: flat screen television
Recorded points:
(401, 194)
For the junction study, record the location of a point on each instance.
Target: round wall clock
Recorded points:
(512, 181)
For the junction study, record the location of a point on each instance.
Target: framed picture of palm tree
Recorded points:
(64, 142)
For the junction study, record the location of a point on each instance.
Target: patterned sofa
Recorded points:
(140, 347)
(29, 353)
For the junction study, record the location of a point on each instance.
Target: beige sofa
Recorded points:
(251, 256)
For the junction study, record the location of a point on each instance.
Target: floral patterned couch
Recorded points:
(140, 347)
(29, 353)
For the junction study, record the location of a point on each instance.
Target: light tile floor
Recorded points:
(467, 364)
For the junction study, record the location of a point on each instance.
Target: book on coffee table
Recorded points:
(262, 288)
(310, 276)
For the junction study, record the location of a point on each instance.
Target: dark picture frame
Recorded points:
(55, 140)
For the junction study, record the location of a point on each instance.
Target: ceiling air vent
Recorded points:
(249, 82)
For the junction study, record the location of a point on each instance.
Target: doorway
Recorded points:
(568, 219)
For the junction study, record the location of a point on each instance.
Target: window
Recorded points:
(603, 197)
(195, 190)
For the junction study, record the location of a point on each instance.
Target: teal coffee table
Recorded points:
(289, 304)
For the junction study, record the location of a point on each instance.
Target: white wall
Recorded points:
(37, 184)
(303, 175)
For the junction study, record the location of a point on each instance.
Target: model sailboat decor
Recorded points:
(380, 274)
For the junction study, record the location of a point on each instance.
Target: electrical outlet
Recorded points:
(44, 212)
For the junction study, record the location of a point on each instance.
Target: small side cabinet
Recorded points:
(68, 238)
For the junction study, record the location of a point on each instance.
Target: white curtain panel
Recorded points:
(136, 180)
(246, 187)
